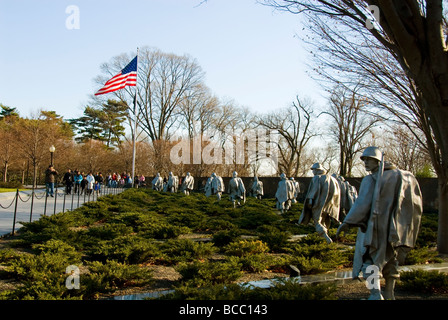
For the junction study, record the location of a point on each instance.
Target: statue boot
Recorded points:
(322, 231)
(375, 294)
(389, 289)
(373, 283)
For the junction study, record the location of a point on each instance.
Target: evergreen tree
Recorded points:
(114, 114)
(89, 126)
(104, 124)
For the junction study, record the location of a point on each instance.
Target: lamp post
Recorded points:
(52, 149)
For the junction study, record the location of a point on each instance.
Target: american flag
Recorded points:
(127, 77)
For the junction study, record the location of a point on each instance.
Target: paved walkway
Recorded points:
(31, 209)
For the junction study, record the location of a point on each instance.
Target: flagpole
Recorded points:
(135, 129)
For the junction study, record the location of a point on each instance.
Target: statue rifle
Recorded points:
(376, 193)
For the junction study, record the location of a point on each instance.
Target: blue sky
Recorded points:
(248, 52)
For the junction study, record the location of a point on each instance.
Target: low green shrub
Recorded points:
(191, 218)
(182, 250)
(200, 274)
(273, 237)
(219, 223)
(109, 231)
(140, 221)
(255, 216)
(95, 210)
(261, 262)
(431, 282)
(11, 185)
(166, 231)
(309, 265)
(58, 227)
(427, 235)
(224, 237)
(42, 276)
(422, 255)
(242, 248)
(108, 277)
(283, 289)
(8, 254)
(292, 289)
(312, 254)
(130, 249)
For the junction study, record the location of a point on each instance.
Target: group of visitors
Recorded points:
(117, 180)
(79, 182)
(82, 183)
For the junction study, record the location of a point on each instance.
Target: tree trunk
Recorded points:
(5, 172)
(442, 234)
(34, 175)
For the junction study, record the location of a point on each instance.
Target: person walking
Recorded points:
(77, 178)
(90, 181)
(83, 184)
(50, 178)
(68, 180)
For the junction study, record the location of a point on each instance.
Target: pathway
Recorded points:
(29, 208)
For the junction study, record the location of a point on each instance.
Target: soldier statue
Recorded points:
(157, 183)
(237, 192)
(214, 186)
(187, 184)
(257, 188)
(172, 183)
(296, 185)
(387, 213)
(284, 194)
(321, 202)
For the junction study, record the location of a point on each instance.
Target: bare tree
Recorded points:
(293, 127)
(350, 124)
(404, 150)
(198, 110)
(164, 82)
(35, 136)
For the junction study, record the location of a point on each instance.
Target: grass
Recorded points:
(115, 239)
(4, 190)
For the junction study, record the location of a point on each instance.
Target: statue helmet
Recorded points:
(317, 166)
(372, 152)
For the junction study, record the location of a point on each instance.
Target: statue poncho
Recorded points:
(257, 188)
(214, 185)
(284, 194)
(321, 203)
(187, 184)
(395, 227)
(157, 183)
(172, 183)
(237, 191)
